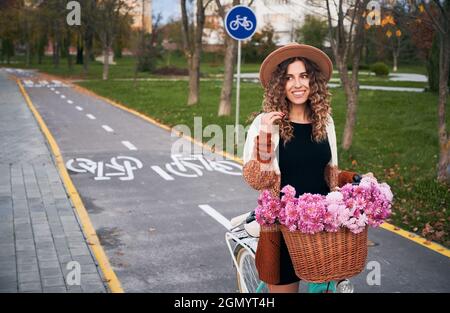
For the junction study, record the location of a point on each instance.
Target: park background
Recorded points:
(171, 60)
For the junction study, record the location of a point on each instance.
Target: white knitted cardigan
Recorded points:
(255, 128)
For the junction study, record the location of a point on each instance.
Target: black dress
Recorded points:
(302, 164)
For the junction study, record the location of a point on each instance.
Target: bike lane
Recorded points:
(155, 235)
(151, 226)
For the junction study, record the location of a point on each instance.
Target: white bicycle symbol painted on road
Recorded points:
(241, 21)
(124, 171)
(193, 166)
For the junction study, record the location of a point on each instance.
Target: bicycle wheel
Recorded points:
(249, 282)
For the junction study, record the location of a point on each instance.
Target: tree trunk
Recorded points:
(55, 53)
(229, 61)
(194, 78)
(227, 87)
(193, 51)
(28, 53)
(87, 51)
(352, 101)
(395, 61)
(443, 175)
(67, 50)
(79, 58)
(105, 62)
(55, 46)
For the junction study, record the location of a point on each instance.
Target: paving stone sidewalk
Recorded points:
(39, 229)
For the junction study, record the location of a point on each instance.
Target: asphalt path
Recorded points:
(148, 216)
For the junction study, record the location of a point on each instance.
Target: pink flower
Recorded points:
(268, 209)
(288, 191)
(334, 197)
(353, 207)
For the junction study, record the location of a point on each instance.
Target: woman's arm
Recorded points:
(336, 177)
(258, 172)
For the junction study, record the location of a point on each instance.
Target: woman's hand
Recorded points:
(269, 119)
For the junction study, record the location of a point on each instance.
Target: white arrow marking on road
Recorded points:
(69, 101)
(162, 172)
(63, 96)
(92, 117)
(107, 128)
(79, 108)
(129, 145)
(216, 215)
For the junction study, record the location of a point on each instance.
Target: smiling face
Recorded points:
(297, 83)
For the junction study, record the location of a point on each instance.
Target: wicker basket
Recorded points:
(326, 256)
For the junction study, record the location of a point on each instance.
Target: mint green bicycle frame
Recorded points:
(312, 287)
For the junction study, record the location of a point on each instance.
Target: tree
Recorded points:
(108, 20)
(229, 61)
(346, 46)
(9, 18)
(149, 48)
(261, 44)
(435, 14)
(88, 19)
(313, 32)
(441, 25)
(192, 45)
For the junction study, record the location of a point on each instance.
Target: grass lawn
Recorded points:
(124, 68)
(211, 66)
(395, 138)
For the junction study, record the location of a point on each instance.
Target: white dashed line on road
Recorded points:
(129, 145)
(52, 89)
(79, 108)
(69, 101)
(57, 92)
(92, 117)
(63, 96)
(216, 215)
(107, 128)
(162, 173)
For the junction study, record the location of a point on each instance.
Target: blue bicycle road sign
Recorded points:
(240, 22)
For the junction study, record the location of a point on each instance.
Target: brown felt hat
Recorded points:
(292, 50)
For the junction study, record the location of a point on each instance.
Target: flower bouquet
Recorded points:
(327, 235)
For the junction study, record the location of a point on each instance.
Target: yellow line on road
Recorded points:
(417, 239)
(389, 227)
(88, 228)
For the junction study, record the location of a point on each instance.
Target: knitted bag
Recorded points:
(267, 259)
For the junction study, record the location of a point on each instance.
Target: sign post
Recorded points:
(240, 24)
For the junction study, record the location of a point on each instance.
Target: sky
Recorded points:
(168, 8)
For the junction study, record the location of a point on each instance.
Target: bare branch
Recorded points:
(184, 26)
(207, 3)
(440, 7)
(221, 9)
(350, 34)
(435, 22)
(330, 29)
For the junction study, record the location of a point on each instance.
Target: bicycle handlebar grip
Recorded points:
(251, 217)
(356, 179)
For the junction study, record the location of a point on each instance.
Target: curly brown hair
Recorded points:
(318, 103)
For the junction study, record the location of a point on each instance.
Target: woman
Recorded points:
(293, 142)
